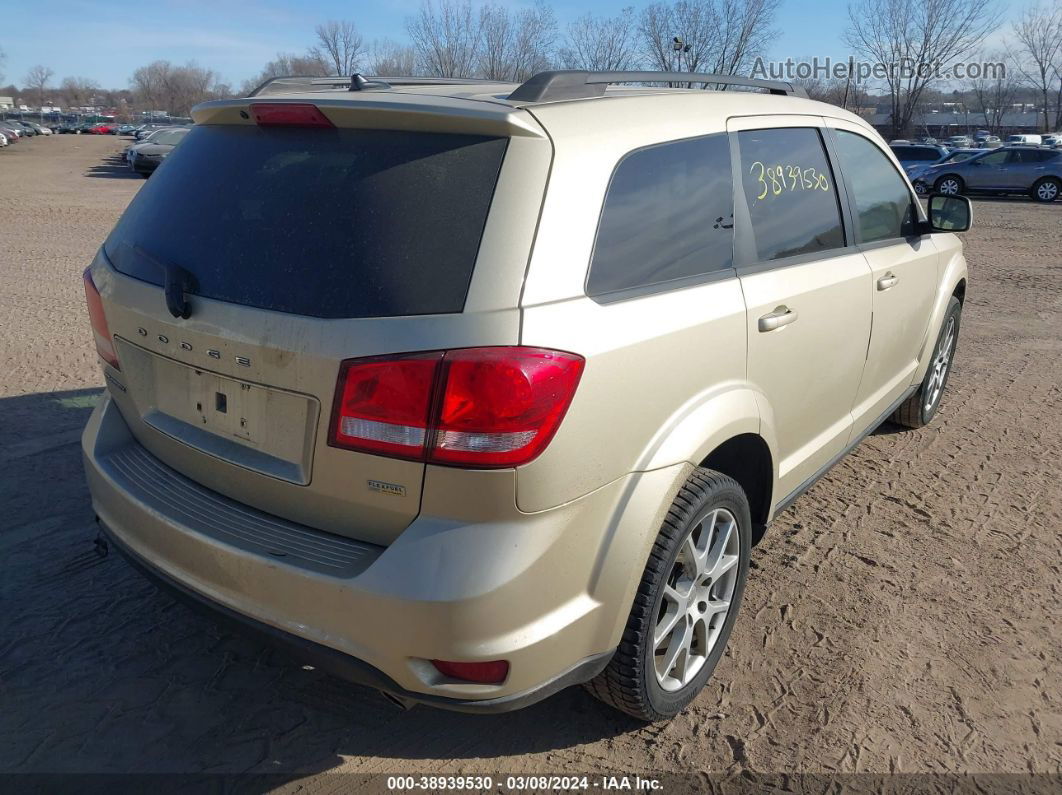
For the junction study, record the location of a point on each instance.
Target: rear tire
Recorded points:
(1046, 190)
(919, 409)
(678, 626)
(949, 185)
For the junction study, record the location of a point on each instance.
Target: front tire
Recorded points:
(919, 409)
(686, 603)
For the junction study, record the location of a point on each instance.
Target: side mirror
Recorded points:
(949, 213)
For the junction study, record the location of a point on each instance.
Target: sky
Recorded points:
(106, 41)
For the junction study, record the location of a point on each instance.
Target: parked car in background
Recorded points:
(959, 141)
(915, 172)
(917, 154)
(1031, 170)
(126, 129)
(474, 473)
(40, 129)
(13, 134)
(147, 129)
(131, 150)
(3, 139)
(25, 129)
(1054, 139)
(148, 156)
(1024, 138)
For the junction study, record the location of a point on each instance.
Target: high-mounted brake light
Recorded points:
(102, 335)
(473, 407)
(284, 114)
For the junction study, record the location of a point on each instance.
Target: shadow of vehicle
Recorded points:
(101, 673)
(113, 167)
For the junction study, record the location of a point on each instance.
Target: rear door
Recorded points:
(293, 248)
(903, 263)
(1025, 166)
(807, 290)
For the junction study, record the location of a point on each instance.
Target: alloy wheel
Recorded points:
(940, 365)
(696, 600)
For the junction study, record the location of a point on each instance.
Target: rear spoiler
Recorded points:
(387, 110)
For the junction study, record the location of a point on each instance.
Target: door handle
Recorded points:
(781, 316)
(887, 281)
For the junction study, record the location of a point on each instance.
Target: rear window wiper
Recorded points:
(179, 282)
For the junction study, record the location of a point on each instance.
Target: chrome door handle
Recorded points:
(781, 316)
(887, 281)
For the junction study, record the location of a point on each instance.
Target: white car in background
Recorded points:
(3, 140)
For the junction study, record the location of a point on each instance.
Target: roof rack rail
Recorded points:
(293, 84)
(578, 84)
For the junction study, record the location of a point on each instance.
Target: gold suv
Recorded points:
(471, 391)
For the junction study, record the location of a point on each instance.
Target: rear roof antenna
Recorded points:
(361, 83)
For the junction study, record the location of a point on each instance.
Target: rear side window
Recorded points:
(903, 152)
(883, 202)
(790, 192)
(667, 217)
(334, 223)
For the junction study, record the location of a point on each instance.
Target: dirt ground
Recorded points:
(904, 615)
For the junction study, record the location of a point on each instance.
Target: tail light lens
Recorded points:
(488, 673)
(475, 407)
(102, 335)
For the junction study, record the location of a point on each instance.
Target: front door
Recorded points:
(903, 264)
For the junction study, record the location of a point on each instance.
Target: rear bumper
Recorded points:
(548, 591)
(343, 665)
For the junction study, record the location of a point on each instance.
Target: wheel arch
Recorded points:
(747, 459)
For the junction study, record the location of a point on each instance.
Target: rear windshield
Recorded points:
(327, 223)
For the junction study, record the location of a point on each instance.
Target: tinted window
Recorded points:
(882, 199)
(903, 152)
(926, 154)
(790, 192)
(328, 223)
(668, 215)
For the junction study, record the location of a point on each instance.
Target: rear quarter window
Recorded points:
(334, 223)
(667, 219)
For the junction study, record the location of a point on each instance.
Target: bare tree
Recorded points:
(77, 91)
(391, 59)
(678, 36)
(745, 31)
(602, 43)
(37, 81)
(922, 34)
(992, 96)
(339, 45)
(176, 89)
(1039, 34)
(446, 37)
(515, 45)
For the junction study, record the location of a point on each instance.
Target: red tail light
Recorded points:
(285, 114)
(104, 340)
(475, 407)
(487, 673)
